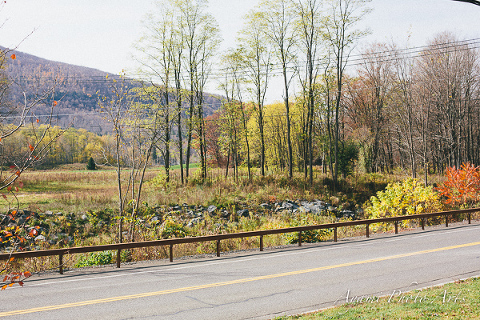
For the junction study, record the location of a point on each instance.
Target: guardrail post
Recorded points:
(299, 238)
(218, 248)
(171, 253)
(261, 243)
(446, 220)
(396, 227)
(367, 230)
(118, 258)
(422, 221)
(60, 263)
(469, 218)
(335, 234)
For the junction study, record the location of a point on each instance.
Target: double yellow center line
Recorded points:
(227, 283)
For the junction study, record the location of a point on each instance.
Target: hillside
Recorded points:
(78, 90)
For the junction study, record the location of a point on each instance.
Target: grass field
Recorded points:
(459, 300)
(74, 189)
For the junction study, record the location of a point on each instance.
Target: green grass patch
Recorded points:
(191, 166)
(459, 300)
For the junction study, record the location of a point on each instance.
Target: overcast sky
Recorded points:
(100, 33)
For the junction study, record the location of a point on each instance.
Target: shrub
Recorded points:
(95, 259)
(403, 198)
(160, 180)
(171, 229)
(462, 186)
(309, 236)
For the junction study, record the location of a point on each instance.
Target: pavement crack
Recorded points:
(213, 305)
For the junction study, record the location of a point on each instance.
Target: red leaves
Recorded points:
(15, 277)
(33, 233)
(13, 56)
(462, 185)
(55, 103)
(31, 147)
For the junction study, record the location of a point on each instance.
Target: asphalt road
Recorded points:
(253, 285)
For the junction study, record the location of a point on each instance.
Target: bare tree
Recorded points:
(310, 33)
(341, 36)
(280, 30)
(369, 97)
(201, 38)
(257, 56)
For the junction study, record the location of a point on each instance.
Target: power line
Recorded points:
(276, 68)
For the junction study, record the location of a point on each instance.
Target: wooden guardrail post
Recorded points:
(469, 218)
(446, 220)
(335, 234)
(396, 227)
(218, 248)
(261, 243)
(299, 238)
(367, 227)
(422, 221)
(118, 258)
(60, 263)
(171, 252)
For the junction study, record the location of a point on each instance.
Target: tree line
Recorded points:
(384, 108)
(300, 40)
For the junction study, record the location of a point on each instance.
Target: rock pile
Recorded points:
(63, 228)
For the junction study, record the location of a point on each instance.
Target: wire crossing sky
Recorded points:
(100, 34)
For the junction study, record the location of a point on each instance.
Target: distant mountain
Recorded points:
(78, 90)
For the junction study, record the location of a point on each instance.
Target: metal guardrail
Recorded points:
(260, 233)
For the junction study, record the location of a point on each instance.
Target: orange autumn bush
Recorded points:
(462, 187)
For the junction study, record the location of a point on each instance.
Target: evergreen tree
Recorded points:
(91, 164)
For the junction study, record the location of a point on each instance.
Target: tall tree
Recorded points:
(405, 106)
(279, 27)
(158, 48)
(309, 17)
(368, 101)
(233, 87)
(257, 56)
(341, 36)
(202, 37)
(449, 69)
(115, 110)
